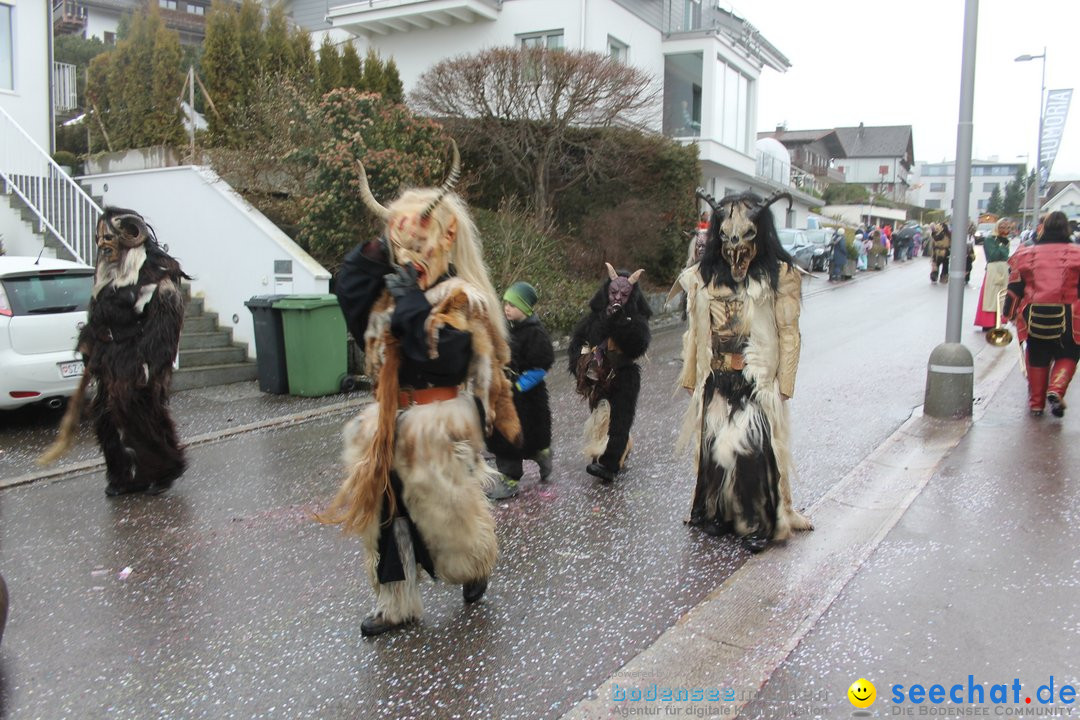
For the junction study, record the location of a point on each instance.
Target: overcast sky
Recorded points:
(897, 62)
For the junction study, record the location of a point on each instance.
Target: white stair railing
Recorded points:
(60, 206)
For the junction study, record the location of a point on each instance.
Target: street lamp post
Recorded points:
(1039, 182)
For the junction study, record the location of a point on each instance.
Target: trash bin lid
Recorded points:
(305, 302)
(262, 301)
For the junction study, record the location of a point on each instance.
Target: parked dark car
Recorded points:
(798, 246)
(820, 241)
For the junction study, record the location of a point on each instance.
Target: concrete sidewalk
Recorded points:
(201, 415)
(949, 551)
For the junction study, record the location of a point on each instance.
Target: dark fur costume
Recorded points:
(530, 347)
(128, 344)
(625, 337)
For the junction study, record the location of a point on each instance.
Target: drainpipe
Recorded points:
(584, 6)
(52, 79)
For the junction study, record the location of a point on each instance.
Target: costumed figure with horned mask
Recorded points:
(740, 356)
(435, 346)
(129, 343)
(603, 354)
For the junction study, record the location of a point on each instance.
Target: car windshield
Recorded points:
(819, 237)
(46, 294)
(787, 239)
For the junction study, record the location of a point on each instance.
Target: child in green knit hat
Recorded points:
(531, 356)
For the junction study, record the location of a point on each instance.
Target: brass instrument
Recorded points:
(1000, 336)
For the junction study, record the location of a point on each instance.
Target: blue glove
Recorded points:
(530, 379)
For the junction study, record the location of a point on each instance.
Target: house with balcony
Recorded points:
(706, 61)
(101, 18)
(880, 158)
(815, 156)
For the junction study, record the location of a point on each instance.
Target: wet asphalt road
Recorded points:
(238, 605)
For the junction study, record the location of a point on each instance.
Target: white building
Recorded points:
(934, 184)
(101, 18)
(706, 60)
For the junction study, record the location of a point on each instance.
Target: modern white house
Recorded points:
(934, 184)
(707, 61)
(230, 249)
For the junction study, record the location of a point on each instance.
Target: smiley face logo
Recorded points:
(862, 693)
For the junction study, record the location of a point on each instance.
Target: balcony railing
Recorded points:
(65, 90)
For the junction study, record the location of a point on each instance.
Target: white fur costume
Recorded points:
(769, 321)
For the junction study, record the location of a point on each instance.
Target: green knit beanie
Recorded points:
(521, 295)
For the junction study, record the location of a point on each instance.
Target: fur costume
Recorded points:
(740, 356)
(128, 344)
(603, 355)
(436, 348)
(939, 253)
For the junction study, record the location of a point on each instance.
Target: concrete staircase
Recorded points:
(208, 355)
(30, 218)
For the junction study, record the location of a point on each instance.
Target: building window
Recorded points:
(682, 95)
(933, 204)
(195, 9)
(617, 49)
(982, 204)
(937, 187)
(733, 107)
(989, 187)
(551, 39)
(110, 38)
(167, 4)
(936, 170)
(7, 48)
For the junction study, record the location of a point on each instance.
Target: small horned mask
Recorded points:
(621, 288)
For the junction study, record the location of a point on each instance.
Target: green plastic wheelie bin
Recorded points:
(316, 347)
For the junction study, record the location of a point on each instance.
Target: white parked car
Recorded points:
(42, 308)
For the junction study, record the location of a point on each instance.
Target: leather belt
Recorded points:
(728, 362)
(409, 396)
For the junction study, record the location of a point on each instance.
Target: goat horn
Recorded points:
(122, 223)
(449, 183)
(778, 195)
(365, 194)
(701, 194)
(611, 271)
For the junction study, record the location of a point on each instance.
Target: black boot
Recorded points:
(474, 590)
(376, 625)
(597, 470)
(754, 542)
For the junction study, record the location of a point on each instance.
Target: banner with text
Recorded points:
(1053, 127)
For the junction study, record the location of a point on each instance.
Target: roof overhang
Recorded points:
(387, 17)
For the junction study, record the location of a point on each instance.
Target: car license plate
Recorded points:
(71, 369)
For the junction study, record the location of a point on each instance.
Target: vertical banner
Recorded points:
(1053, 127)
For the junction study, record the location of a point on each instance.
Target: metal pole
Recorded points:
(1038, 157)
(950, 376)
(191, 109)
(962, 187)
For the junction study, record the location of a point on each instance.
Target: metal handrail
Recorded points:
(60, 205)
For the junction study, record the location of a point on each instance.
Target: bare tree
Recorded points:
(525, 107)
